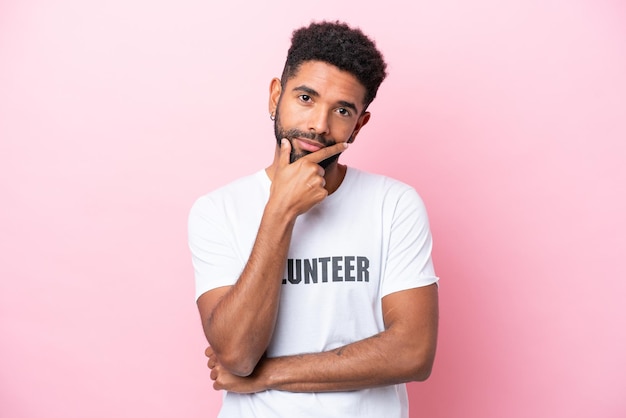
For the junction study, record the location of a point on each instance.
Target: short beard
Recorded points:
(290, 134)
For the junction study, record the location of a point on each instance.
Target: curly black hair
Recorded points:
(338, 44)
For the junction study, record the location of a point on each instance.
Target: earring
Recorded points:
(272, 117)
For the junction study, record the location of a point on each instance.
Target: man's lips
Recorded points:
(308, 145)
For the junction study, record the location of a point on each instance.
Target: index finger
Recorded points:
(326, 152)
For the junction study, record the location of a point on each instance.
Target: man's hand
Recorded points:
(224, 380)
(299, 186)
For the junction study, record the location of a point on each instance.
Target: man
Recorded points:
(315, 283)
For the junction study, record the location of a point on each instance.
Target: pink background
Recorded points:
(507, 116)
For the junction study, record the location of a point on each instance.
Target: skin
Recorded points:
(239, 320)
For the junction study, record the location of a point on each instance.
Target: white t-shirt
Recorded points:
(368, 239)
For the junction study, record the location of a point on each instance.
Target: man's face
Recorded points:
(319, 106)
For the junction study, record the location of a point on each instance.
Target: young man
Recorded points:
(315, 283)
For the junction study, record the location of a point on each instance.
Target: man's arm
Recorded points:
(239, 320)
(404, 352)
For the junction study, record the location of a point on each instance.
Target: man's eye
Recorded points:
(343, 111)
(305, 97)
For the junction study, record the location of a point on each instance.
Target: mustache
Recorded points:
(296, 133)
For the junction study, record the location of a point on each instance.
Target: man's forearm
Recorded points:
(241, 325)
(373, 362)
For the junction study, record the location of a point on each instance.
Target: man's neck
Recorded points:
(334, 175)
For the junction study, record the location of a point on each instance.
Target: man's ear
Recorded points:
(275, 90)
(363, 119)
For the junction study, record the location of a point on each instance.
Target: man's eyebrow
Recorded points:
(307, 90)
(313, 93)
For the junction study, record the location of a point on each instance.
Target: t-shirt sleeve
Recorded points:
(409, 262)
(213, 254)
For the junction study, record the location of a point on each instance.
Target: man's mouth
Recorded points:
(308, 145)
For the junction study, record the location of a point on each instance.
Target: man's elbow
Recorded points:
(421, 368)
(241, 371)
(236, 357)
(422, 373)
(239, 364)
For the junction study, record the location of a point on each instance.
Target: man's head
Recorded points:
(337, 44)
(331, 75)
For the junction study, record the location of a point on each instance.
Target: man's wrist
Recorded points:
(277, 213)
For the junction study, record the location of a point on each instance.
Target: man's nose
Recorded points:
(318, 121)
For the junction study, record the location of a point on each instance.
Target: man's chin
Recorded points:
(293, 157)
(324, 163)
